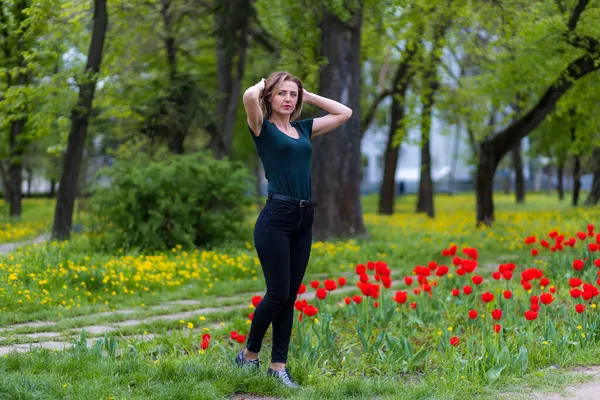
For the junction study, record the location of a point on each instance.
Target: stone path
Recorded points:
(585, 391)
(6, 248)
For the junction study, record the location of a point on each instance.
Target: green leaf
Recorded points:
(494, 373)
(363, 340)
(504, 357)
(520, 362)
(418, 357)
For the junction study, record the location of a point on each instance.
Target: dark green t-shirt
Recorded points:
(286, 160)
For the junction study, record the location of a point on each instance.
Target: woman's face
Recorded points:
(285, 99)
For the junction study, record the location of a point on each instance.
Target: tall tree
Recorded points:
(402, 78)
(594, 195)
(336, 155)
(493, 149)
(430, 87)
(517, 162)
(63, 216)
(23, 50)
(232, 23)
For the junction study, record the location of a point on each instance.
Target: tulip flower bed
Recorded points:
(452, 313)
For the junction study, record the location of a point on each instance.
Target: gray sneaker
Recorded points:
(283, 376)
(244, 362)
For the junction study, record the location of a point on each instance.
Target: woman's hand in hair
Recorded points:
(254, 113)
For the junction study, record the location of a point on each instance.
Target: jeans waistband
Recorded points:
(298, 202)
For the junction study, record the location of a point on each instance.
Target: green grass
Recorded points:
(84, 373)
(403, 241)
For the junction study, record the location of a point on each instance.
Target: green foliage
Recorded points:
(190, 200)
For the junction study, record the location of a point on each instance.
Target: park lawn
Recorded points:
(36, 219)
(67, 282)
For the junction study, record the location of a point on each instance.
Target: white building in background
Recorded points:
(449, 156)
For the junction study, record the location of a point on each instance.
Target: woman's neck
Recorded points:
(281, 121)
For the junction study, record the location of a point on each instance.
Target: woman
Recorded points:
(283, 230)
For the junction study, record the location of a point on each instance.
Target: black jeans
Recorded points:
(283, 239)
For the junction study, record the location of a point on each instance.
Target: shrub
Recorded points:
(188, 200)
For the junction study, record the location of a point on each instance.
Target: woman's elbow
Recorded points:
(348, 113)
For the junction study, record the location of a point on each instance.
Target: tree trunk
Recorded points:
(576, 181)
(594, 195)
(52, 188)
(560, 172)
(336, 167)
(15, 168)
(484, 185)
(452, 180)
(402, 78)
(425, 199)
(63, 216)
(501, 142)
(29, 180)
(176, 134)
(517, 162)
(387, 192)
(5, 183)
(507, 182)
(232, 20)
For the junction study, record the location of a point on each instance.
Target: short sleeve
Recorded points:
(306, 126)
(262, 130)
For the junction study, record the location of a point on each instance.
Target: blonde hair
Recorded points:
(273, 83)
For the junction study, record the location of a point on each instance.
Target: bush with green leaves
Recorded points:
(189, 200)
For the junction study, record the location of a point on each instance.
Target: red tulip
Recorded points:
(233, 334)
(497, 314)
(546, 298)
(578, 265)
(441, 270)
(357, 299)
(310, 310)
(579, 308)
(534, 252)
(455, 292)
(330, 285)
(360, 269)
(342, 281)
(530, 239)
(300, 304)
(408, 280)
(487, 297)
(302, 288)
(574, 282)
(454, 341)
(507, 294)
(315, 284)
(472, 314)
(256, 300)
(531, 315)
(467, 290)
(497, 328)
(476, 279)
(321, 294)
(240, 338)
(400, 297)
